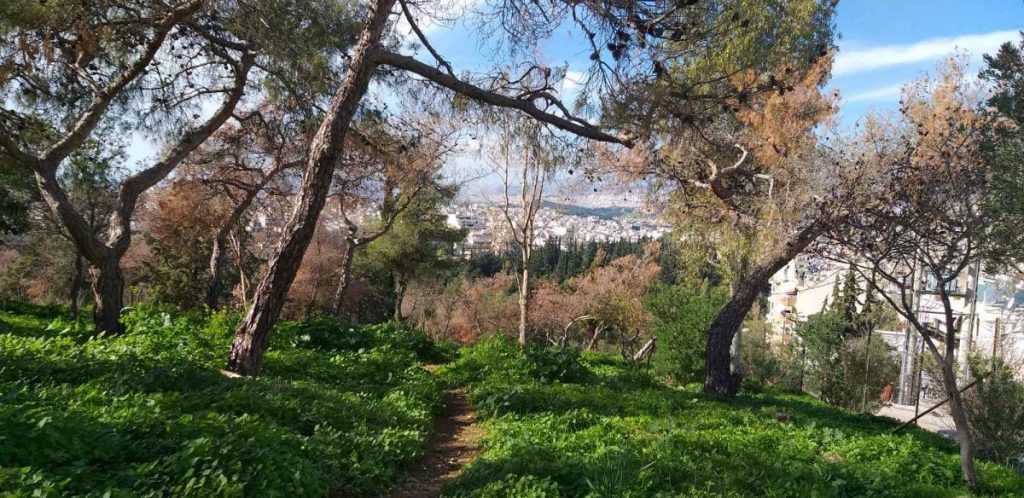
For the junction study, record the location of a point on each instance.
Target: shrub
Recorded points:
(555, 364)
(682, 315)
(766, 365)
(995, 410)
(834, 364)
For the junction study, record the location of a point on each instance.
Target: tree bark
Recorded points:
(77, 281)
(524, 300)
(400, 286)
(346, 275)
(719, 377)
(963, 428)
(213, 288)
(108, 293)
(252, 335)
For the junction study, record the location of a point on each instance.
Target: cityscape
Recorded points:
(488, 229)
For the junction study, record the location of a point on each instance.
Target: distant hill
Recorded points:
(604, 213)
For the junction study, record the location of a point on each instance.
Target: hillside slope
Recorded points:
(561, 425)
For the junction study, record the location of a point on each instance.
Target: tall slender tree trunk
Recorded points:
(238, 251)
(524, 301)
(963, 428)
(400, 287)
(252, 335)
(214, 287)
(346, 275)
(956, 404)
(77, 282)
(719, 375)
(216, 283)
(108, 294)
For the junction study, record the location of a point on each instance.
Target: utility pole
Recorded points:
(995, 341)
(967, 341)
(908, 367)
(867, 366)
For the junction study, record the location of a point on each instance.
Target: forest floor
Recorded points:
(337, 408)
(453, 444)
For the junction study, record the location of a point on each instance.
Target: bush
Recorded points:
(555, 364)
(498, 358)
(766, 365)
(682, 315)
(995, 411)
(834, 364)
(149, 414)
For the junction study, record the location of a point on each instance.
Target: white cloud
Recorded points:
(882, 93)
(857, 61)
(573, 81)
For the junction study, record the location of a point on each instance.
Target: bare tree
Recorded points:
(388, 170)
(236, 165)
(523, 165)
(932, 228)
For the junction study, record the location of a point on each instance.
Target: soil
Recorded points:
(453, 444)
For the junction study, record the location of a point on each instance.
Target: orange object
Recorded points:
(887, 393)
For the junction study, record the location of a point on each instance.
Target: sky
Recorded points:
(885, 44)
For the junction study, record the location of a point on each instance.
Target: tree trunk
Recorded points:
(108, 293)
(524, 303)
(963, 428)
(218, 254)
(399, 296)
(252, 335)
(956, 404)
(238, 252)
(345, 277)
(719, 377)
(213, 288)
(77, 282)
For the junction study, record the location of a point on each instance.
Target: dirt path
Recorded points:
(452, 445)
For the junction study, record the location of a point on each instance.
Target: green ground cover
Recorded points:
(563, 425)
(150, 414)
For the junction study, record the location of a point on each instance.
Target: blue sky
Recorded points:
(885, 44)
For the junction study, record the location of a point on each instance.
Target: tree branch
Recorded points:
(423, 38)
(134, 185)
(474, 92)
(89, 119)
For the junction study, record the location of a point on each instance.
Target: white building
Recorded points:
(992, 318)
